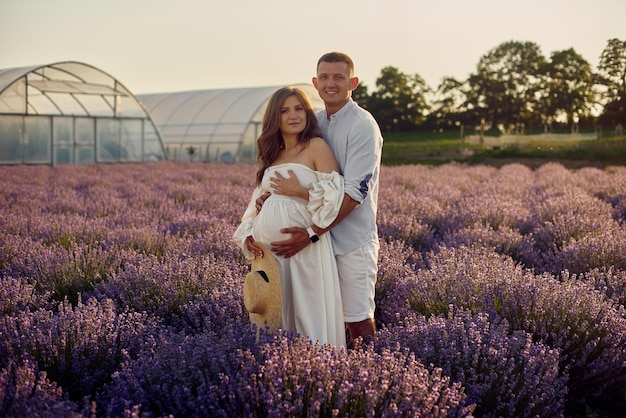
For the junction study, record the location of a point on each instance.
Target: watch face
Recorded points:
(315, 238)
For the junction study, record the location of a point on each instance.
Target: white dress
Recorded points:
(309, 280)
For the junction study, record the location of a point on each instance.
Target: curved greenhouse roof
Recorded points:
(214, 125)
(72, 113)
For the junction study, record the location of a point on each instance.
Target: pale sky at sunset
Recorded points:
(156, 46)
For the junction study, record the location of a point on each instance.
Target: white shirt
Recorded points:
(356, 140)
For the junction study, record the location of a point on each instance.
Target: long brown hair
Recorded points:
(270, 142)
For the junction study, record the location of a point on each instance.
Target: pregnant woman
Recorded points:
(300, 171)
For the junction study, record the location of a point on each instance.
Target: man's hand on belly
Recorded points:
(290, 247)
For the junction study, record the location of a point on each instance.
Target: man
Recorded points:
(356, 141)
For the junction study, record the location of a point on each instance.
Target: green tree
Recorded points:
(399, 102)
(612, 76)
(450, 106)
(505, 85)
(191, 150)
(445, 103)
(361, 96)
(569, 90)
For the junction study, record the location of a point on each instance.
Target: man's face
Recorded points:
(334, 84)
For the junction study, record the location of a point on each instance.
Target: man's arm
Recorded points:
(347, 206)
(300, 237)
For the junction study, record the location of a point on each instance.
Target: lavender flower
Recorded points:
(27, 392)
(121, 289)
(504, 372)
(587, 329)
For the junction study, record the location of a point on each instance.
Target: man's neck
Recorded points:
(334, 109)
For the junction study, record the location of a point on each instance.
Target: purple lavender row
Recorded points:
(501, 292)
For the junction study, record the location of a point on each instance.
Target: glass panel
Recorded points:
(13, 99)
(204, 153)
(132, 139)
(231, 128)
(198, 152)
(221, 152)
(63, 131)
(84, 155)
(177, 131)
(86, 73)
(37, 139)
(225, 139)
(247, 154)
(62, 154)
(258, 116)
(40, 104)
(149, 132)
(10, 139)
(110, 101)
(108, 140)
(202, 128)
(95, 105)
(85, 132)
(152, 152)
(32, 76)
(70, 87)
(196, 139)
(194, 152)
(248, 149)
(186, 111)
(51, 73)
(174, 151)
(67, 104)
(129, 108)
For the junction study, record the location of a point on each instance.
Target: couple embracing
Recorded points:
(314, 207)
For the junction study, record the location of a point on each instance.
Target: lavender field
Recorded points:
(501, 293)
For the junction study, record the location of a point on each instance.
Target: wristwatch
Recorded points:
(312, 235)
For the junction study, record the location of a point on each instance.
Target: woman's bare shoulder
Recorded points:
(323, 157)
(319, 142)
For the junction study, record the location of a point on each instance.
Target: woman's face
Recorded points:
(292, 116)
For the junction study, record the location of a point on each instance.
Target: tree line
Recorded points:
(514, 86)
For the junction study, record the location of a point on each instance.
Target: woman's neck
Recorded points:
(290, 141)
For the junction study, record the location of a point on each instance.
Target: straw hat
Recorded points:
(262, 296)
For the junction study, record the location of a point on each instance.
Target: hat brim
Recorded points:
(262, 292)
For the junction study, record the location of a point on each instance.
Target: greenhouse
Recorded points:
(213, 125)
(72, 113)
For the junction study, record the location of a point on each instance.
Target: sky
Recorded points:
(157, 46)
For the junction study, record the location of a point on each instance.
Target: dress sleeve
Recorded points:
(245, 228)
(325, 198)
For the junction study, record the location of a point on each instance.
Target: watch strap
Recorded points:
(312, 235)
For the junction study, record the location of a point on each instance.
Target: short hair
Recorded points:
(337, 57)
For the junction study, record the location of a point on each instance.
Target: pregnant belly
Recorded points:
(277, 214)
